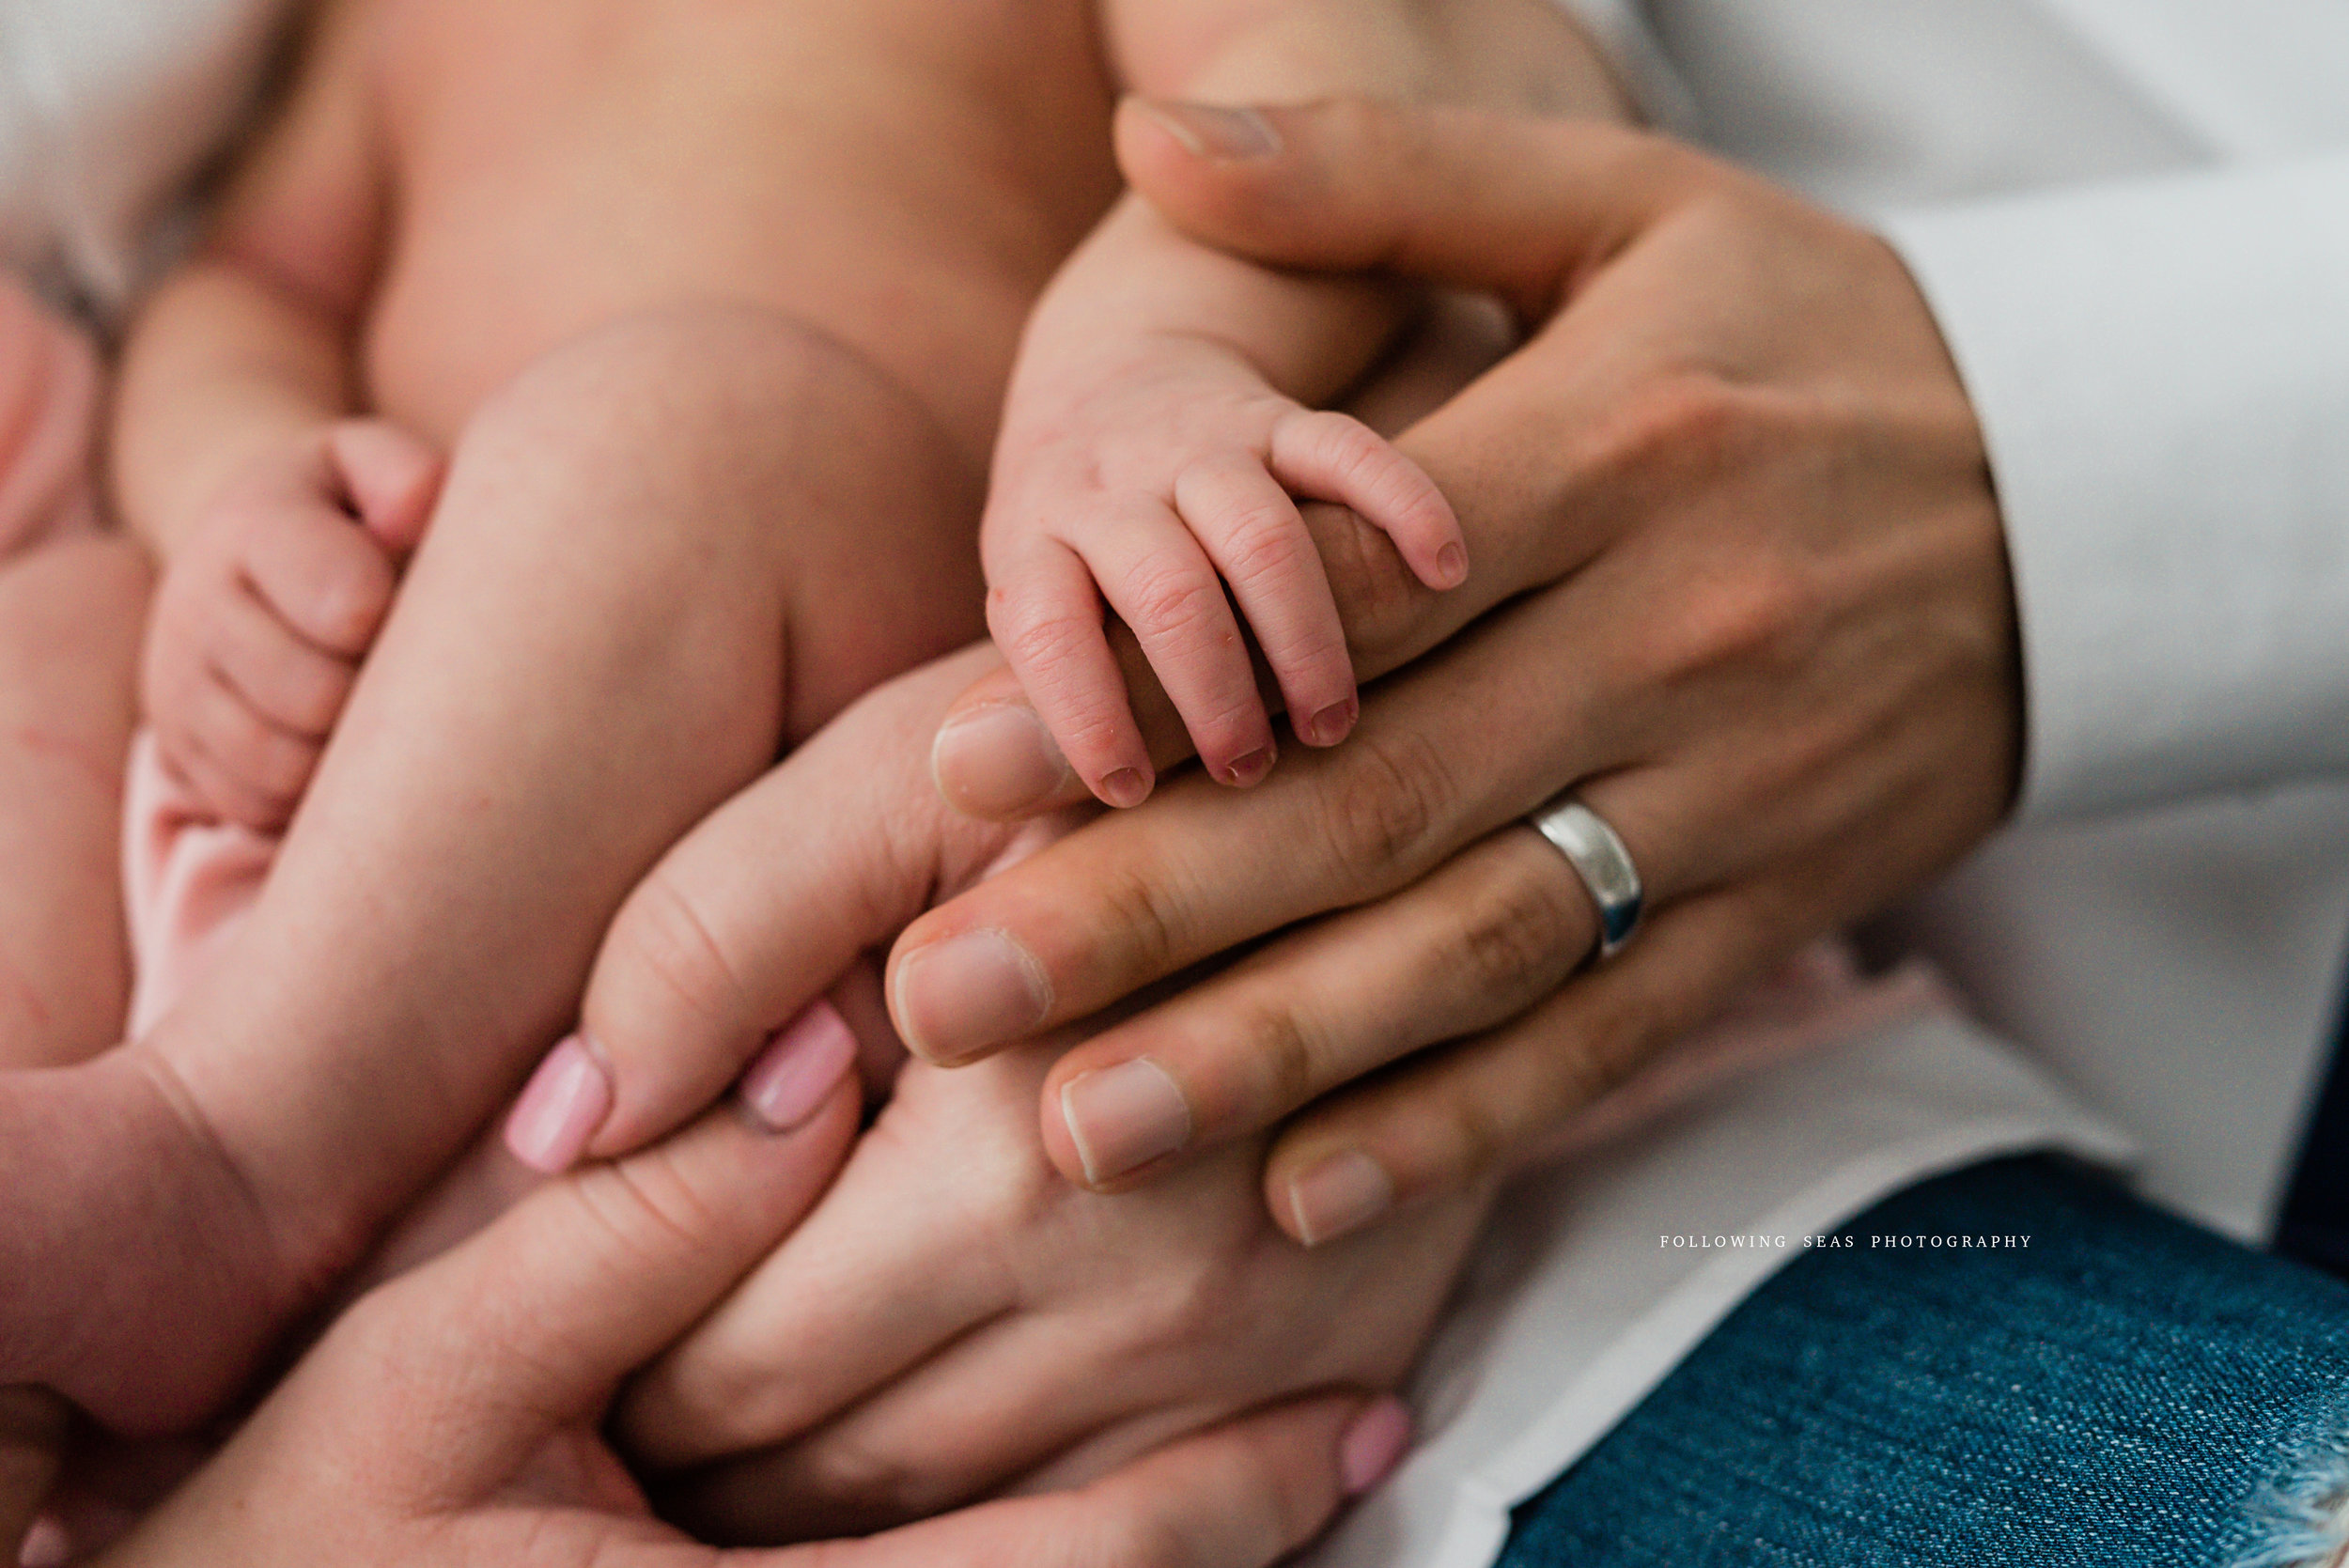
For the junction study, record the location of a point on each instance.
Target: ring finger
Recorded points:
(1472, 946)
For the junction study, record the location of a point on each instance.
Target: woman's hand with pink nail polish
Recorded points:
(954, 1317)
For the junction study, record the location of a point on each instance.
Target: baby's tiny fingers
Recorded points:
(1162, 584)
(285, 678)
(1253, 535)
(1049, 629)
(1331, 457)
(257, 770)
(322, 575)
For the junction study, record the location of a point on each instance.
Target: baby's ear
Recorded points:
(391, 478)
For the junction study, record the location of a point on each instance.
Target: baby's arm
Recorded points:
(279, 519)
(1158, 423)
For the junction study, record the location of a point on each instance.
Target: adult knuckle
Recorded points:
(1762, 616)
(665, 937)
(1139, 913)
(1386, 804)
(1284, 1054)
(1528, 927)
(851, 1471)
(1689, 424)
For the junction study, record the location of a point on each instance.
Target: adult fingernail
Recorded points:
(1208, 132)
(967, 992)
(1333, 723)
(1242, 771)
(1124, 788)
(795, 1074)
(996, 761)
(1452, 565)
(1122, 1118)
(1339, 1194)
(565, 1101)
(1372, 1445)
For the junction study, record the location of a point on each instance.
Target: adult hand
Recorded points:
(955, 1319)
(1777, 654)
(450, 1416)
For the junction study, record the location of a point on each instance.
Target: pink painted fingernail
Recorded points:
(1208, 132)
(1242, 771)
(997, 761)
(966, 993)
(1122, 1118)
(795, 1074)
(1339, 1194)
(1124, 788)
(565, 1101)
(1452, 565)
(1333, 723)
(1372, 1445)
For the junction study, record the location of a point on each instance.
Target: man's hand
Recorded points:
(1777, 652)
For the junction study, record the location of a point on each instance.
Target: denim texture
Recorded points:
(2130, 1391)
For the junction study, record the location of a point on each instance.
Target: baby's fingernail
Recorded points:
(1341, 1194)
(966, 993)
(1372, 1445)
(565, 1101)
(795, 1074)
(1242, 771)
(1452, 565)
(997, 761)
(1208, 132)
(1124, 788)
(1333, 723)
(1122, 1118)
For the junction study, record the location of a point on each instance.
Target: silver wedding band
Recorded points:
(1599, 857)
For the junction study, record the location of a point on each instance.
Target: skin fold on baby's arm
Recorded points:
(279, 516)
(1161, 415)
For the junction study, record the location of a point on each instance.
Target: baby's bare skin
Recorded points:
(901, 174)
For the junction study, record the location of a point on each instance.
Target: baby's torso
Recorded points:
(903, 174)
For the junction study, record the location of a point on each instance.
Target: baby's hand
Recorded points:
(266, 611)
(1150, 475)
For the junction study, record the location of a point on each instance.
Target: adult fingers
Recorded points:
(1472, 946)
(1449, 1119)
(1459, 746)
(464, 1367)
(1515, 206)
(850, 1300)
(704, 963)
(1244, 1496)
(983, 1412)
(33, 1427)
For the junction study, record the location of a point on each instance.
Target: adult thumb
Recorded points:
(530, 1326)
(1515, 206)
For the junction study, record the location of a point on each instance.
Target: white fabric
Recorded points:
(2130, 218)
(2133, 218)
(107, 109)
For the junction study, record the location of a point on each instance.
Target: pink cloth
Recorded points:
(49, 386)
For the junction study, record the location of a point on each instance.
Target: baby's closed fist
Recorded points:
(266, 611)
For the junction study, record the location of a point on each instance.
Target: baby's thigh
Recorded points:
(729, 468)
(71, 616)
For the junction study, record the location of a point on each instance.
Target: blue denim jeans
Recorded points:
(2128, 1392)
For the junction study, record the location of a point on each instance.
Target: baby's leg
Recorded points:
(658, 554)
(69, 620)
